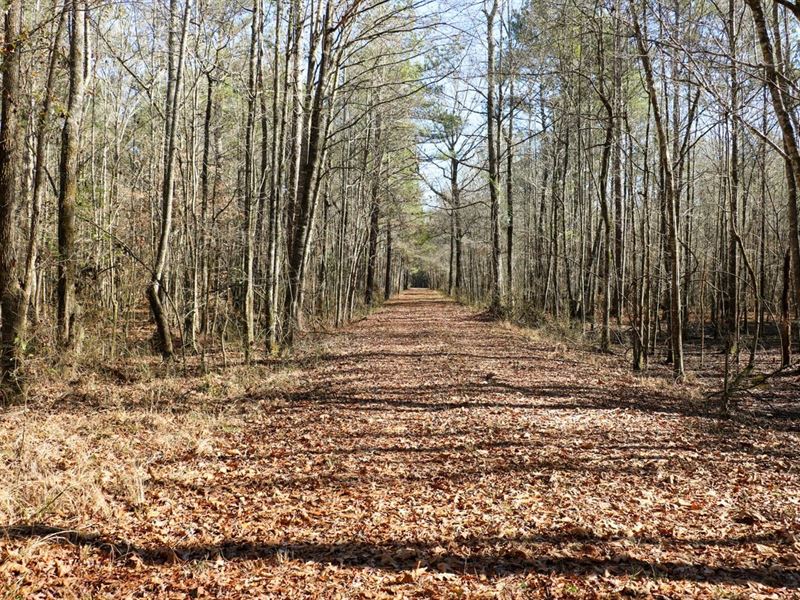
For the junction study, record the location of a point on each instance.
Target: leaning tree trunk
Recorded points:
(155, 291)
(779, 103)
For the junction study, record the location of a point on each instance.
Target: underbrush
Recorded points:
(563, 332)
(704, 362)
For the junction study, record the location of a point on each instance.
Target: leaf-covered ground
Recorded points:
(426, 453)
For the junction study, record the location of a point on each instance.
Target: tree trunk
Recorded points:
(780, 103)
(39, 171)
(676, 329)
(510, 197)
(68, 190)
(156, 290)
(786, 325)
(248, 234)
(387, 284)
(299, 237)
(374, 211)
(605, 332)
(494, 192)
(202, 249)
(276, 180)
(732, 280)
(11, 296)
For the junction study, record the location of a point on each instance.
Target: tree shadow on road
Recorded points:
(492, 557)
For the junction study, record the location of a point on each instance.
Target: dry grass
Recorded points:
(81, 452)
(80, 449)
(702, 380)
(76, 466)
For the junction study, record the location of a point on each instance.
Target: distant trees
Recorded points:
(452, 149)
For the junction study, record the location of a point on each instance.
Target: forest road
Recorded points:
(428, 437)
(428, 452)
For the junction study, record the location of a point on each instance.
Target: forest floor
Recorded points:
(422, 452)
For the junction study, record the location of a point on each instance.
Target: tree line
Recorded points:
(628, 166)
(196, 176)
(224, 171)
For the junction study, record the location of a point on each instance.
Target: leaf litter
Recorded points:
(425, 453)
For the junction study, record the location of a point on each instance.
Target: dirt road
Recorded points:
(429, 452)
